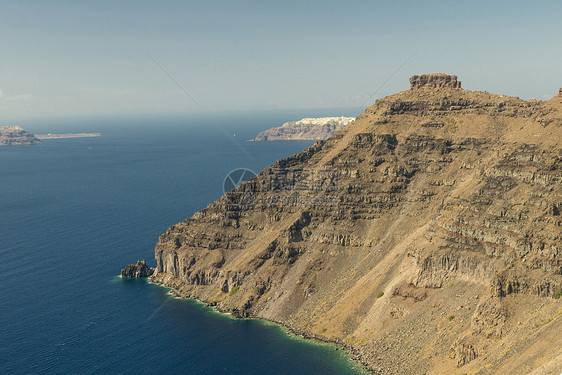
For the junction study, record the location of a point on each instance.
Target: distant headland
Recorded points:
(306, 129)
(67, 135)
(16, 136)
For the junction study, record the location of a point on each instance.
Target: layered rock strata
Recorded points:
(425, 236)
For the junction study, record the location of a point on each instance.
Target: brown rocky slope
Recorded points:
(425, 236)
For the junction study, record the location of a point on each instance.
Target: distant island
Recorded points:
(16, 136)
(305, 129)
(67, 135)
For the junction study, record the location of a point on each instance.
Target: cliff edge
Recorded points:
(425, 236)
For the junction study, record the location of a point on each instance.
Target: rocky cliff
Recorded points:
(137, 270)
(425, 236)
(305, 129)
(14, 136)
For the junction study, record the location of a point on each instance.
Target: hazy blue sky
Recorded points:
(68, 58)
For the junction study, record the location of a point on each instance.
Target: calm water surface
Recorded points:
(74, 212)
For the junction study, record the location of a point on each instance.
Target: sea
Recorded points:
(73, 212)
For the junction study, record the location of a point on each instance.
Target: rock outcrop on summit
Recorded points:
(425, 236)
(434, 80)
(16, 136)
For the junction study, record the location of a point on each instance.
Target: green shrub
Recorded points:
(380, 294)
(557, 294)
(451, 317)
(234, 290)
(324, 330)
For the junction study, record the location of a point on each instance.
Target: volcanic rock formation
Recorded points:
(136, 270)
(425, 236)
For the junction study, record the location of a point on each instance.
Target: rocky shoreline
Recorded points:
(354, 354)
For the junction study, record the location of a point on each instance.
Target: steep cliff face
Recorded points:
(16, 136)
(426, 236)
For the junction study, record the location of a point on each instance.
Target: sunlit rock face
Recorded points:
(425, 236)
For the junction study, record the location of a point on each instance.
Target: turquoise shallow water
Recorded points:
(74, 212)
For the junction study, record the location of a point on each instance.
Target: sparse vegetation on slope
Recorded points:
(448, 198)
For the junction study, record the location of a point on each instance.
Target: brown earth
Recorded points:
(425, 236)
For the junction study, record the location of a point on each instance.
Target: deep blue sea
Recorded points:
(73, 212)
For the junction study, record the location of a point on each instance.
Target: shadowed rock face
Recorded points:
(16, 136)
(136, 270)
(425, 236)
(434, 81)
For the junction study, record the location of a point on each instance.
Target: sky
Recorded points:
(103, 58)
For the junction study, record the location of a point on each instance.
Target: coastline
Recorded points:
(286, 139)
(67, 135)
(353, 354)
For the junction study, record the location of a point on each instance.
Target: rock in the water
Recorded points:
(136, 270)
